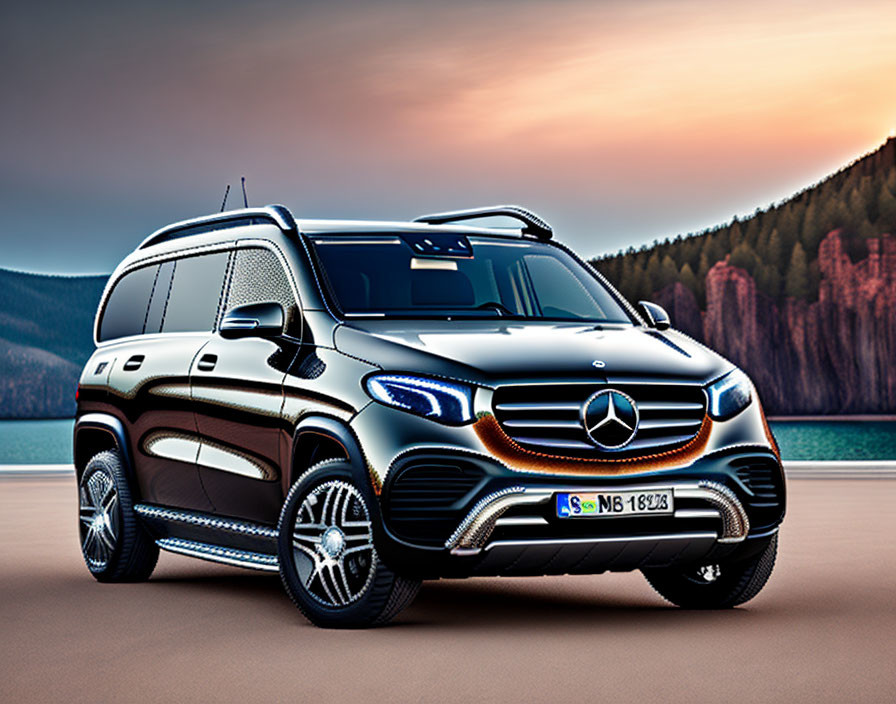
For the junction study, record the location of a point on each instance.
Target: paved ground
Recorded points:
(823, 630)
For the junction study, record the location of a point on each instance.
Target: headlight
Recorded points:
(439, 400)
(729, 395)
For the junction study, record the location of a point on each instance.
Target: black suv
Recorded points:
(364, 405)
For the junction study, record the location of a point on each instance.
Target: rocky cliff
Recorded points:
(833, 355)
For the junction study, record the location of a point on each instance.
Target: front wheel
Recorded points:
(328, 563)
(715, 586)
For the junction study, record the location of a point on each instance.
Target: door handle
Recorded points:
(133, 364)
(207, 362)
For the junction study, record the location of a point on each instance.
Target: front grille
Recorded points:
(429, 498)
(547, 417)
(763, 479)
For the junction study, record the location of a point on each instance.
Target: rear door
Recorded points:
(149, 381)
(237, 391)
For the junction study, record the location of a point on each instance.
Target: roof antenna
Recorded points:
(245, 200)
(224, 202)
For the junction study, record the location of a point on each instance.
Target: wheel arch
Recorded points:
(318, 438)
(97, 432)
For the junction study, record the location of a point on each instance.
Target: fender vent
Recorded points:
(763, 478)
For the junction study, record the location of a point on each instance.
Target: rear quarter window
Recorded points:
(125, 310)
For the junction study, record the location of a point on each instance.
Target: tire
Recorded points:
(115, 545)
(720, 586)
(328, 563)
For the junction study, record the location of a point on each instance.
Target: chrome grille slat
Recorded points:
(538, 407)
(660, 406)
(642, 443)
(664, 424)
(548, 442)
(542, 424)
(547, 416)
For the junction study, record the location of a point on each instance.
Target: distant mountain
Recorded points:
(46, 336)
(802, 295)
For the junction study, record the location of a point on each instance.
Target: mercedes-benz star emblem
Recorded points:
(610, 418)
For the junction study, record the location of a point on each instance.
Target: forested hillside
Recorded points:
(778, 246)
(46, 336)
(802, 294)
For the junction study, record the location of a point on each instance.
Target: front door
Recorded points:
(237, 392)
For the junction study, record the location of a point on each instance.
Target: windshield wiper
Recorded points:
(501, 309)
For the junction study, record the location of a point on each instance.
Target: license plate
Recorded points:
(614, 503)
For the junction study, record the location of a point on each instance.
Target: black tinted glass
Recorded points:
(159, 298)
(195, 293)
(495, 277)
(125, 311)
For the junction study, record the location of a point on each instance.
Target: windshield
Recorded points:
(443, 275)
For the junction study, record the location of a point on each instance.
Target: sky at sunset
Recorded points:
(619, 122)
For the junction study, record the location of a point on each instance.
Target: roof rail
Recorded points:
(273, 214)
(532, 224)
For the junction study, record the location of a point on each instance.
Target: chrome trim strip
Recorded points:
(213, 522)
(480, 522)
(521, 521)
(215, 553)
(586, 541)
(735, 524)
(476, 528)
(696, 513)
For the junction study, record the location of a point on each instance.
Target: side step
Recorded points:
(216, 553)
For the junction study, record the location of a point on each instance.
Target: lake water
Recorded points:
(50, 441)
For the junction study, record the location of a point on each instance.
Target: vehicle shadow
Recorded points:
(533, 603)
(479, 603)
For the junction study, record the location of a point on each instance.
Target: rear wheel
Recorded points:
(328, 563)
(715, 586)
(114, 543)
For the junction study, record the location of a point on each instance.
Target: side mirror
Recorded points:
(656, 316)
(253, 320)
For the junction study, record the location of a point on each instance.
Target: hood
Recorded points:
(490, 352)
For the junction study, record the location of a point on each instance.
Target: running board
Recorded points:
(216, 553)
(204, 520)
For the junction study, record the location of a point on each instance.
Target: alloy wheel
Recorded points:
(333, 544)
(99, 518)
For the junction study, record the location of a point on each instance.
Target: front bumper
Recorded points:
(447, 514)
(452, 506)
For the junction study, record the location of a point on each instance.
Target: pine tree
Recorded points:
(652, 272)
(771, 286)
(668, 272)
(810, 235)
(735, 236)
(788, 227)
(775, 250)
(752, 233)
(688, 279)
(886, 207)
(797, 282)
(744, 257)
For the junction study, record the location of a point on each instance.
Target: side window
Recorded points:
(195, 293)
(125, 311)
(259, 277)
(159, 301)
